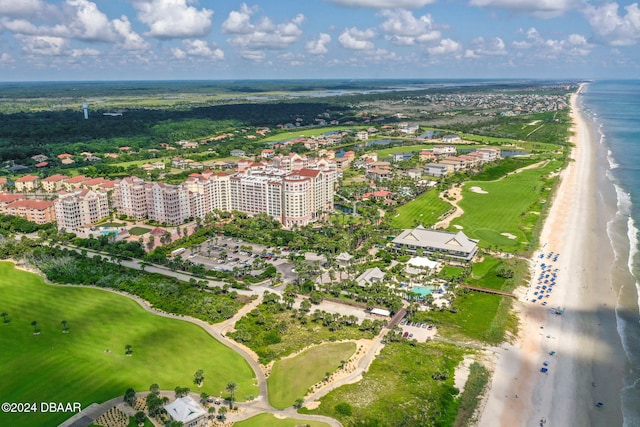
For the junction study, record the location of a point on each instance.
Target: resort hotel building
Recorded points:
(451, 245)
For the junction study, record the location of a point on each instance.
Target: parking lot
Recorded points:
(418, 331)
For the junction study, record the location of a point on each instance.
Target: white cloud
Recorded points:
(538, 8)
(402, 28)
(173, 18)
(262, 34)
(319, 46)
(486, 47)
(198, 48)
(82, 20)
(5, 58)
(42, 45)
(253, 55)
(574, 45)
(355, 39)
(76, 53)
(24, 8)
(446, 47)
(384, 4)
(129, 39)
(612, 28)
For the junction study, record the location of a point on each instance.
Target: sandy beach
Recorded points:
(581, 346)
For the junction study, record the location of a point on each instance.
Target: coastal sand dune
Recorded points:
(587, 366)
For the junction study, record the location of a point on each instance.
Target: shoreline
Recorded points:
(588, 364)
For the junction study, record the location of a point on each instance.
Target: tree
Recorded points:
(222, 413)
(198, 377)
(181, 391)
(65, 327)
(130, 397)
(5, 317)
(299, 402)
(305, 305)
(129, 349)
(231, 388)
(36, 330)
(154, 388)
(212, 412)
(204, 397)
(140, 417)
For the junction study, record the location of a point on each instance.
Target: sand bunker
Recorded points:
(459, 227)
(509, 236)
(478, 190)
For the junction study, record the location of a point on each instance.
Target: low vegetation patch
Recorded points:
(409, 384)
(471, 396)
(274, 330)
(291, 378)
(269, 420)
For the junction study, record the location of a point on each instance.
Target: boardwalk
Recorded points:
(489, 291)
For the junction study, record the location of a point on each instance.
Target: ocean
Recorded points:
(614, 109)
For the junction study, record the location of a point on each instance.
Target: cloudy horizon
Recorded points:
(45, 40)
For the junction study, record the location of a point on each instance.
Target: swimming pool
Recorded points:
(423, 290)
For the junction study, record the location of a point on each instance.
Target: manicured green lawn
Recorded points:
(511, 205)
(297, 133)
(426, 209)
(139, 231)
(386, 152)
(75, 367)
(291, 378)
(269, 420)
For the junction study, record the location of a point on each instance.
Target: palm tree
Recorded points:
(221, 412)
(35, 327)
(129, 349)
(231, 388)
(65, 328)
(198, 377)
(5, 317)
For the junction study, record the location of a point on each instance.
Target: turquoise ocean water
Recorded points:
(614, 109)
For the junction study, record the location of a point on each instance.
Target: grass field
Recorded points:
(75, 367)
(269, 420)
(292, 377)
(139, 231)
(426, 209)
(298, 133)
(511, 205)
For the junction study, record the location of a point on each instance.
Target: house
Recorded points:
(187, 411)
(370, 276)
(18, 169)
(238, 153)
(27, 183)
(379, 174)
(401, 157)
(451, 139)
(64, 156)
(427, 155)
(41, 165)
(437, 169)
(39, 158)
(344, 259)
(38, 211)
(67, 161)
(362, 135)
(444, 151)
(53, 183)
(452, 245)
(267, 153)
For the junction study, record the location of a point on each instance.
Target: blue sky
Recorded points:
(227, 39)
